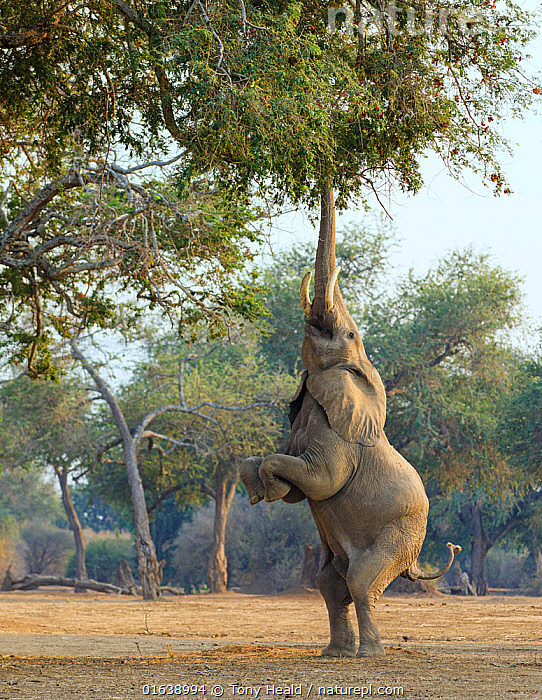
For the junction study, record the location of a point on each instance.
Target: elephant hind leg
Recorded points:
(250, 476)
(338, 599)
(369, 573)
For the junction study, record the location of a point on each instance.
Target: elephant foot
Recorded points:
(337, 651)
(277, 490)
(368, 649)
(251, 479)
(275, 487)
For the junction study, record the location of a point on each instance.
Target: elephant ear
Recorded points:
(297, 400)
(354, 400)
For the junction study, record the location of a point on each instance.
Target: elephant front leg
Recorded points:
(250, 476)
(279, 474)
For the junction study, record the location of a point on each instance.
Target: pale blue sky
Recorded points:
(445, 214)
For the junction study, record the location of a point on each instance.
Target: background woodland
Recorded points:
(150, 340)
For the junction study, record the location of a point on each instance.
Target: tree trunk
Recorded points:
(33, 581)
(480, 548)
(124, 577)
(149, 570)
(75, 524)
(217, 570)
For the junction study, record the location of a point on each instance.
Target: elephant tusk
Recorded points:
(305, 299)
(330, 289)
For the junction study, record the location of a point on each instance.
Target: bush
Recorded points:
(264, 545)
(102, 558)
(532, 586)
(192, 549)
(45, 548)
(504, 569)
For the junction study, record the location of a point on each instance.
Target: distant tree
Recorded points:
(25, 495)
(437, 342)
(212, 409)
(521, 420)
(46, 548)
(104, 556)
(264, 548)
(52, 427)
(521, 438)
(149, 569)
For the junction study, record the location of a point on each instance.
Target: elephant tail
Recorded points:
(414, 573)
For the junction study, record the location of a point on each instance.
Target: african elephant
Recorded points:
(368, 502)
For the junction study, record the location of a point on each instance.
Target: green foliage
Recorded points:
(273, 99)
(103, 556)
(450, 311)
(25, 494)
(521, 435)
(49, 423)
(94, 514)
(258, 98)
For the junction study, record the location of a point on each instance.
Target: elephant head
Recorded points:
(340, 377)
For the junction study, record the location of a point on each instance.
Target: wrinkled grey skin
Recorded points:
(368, 502)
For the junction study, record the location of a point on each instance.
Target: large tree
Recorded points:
(265, 92)
(252, 96)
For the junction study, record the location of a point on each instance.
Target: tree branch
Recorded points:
(70, 180)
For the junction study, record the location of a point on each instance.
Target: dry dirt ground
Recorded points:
(57, 645)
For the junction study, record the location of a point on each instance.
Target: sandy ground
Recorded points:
(57, 645)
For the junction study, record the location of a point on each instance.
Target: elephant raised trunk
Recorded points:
(325, 274)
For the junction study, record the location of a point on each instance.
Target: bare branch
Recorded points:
(68, 181)
(150, 164)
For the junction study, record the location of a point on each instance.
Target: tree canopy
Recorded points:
(263, 92)
(239, 99)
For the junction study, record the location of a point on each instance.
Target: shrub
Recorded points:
(504, 569)
(45, 548)
(102, 558)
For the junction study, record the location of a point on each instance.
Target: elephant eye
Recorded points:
(351, 335)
